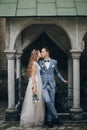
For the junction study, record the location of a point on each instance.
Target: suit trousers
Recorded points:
(49, 99)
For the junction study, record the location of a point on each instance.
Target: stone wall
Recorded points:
(3, 60)
(2, 44)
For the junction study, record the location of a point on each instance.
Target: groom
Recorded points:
(48, 70)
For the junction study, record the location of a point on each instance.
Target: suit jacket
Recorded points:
(47, 75)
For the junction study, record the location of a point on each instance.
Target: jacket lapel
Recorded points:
(43, 65)
(50, 63)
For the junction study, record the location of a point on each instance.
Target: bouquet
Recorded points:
(35, 98)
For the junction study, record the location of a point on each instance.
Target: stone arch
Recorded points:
(45, 28)
(85, 36)
(58, 25)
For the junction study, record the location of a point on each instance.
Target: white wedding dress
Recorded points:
(33, 114)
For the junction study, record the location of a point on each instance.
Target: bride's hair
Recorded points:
(33, 58)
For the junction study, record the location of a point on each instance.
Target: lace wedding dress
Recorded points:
(33, 114)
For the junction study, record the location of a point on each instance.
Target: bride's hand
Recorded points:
(34, 90)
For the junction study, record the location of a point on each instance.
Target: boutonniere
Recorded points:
(53, 65)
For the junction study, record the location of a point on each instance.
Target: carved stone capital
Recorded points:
(10, 54)
(76, 54)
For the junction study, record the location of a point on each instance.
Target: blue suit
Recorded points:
(49, 85)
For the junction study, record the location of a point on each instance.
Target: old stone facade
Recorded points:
(66, 38)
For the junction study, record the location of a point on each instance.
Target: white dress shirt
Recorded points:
(47, 63)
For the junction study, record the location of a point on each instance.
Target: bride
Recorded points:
(33, 112)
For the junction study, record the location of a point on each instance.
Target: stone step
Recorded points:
(65, 126)
(4, 126)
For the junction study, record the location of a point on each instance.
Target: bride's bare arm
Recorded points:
(34, 69)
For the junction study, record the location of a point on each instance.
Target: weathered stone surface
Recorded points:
(15, 125)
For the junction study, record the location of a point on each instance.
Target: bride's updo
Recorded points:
(33, 58)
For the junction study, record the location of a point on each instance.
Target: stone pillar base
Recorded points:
(76, 113)
(11, 115)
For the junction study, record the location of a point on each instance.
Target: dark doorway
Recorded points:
(83, 81)
(56, 53)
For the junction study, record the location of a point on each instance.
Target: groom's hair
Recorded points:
(47, 49)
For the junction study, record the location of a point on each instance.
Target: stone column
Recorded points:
(76, 111)
(70, 82)
(11, 111)
(18, 64)
(11, 80)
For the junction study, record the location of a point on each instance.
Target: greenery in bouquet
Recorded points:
(35, 98)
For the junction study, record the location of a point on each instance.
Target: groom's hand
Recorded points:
(65, 81)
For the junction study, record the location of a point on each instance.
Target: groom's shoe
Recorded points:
(59, 121)
(50, 124)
